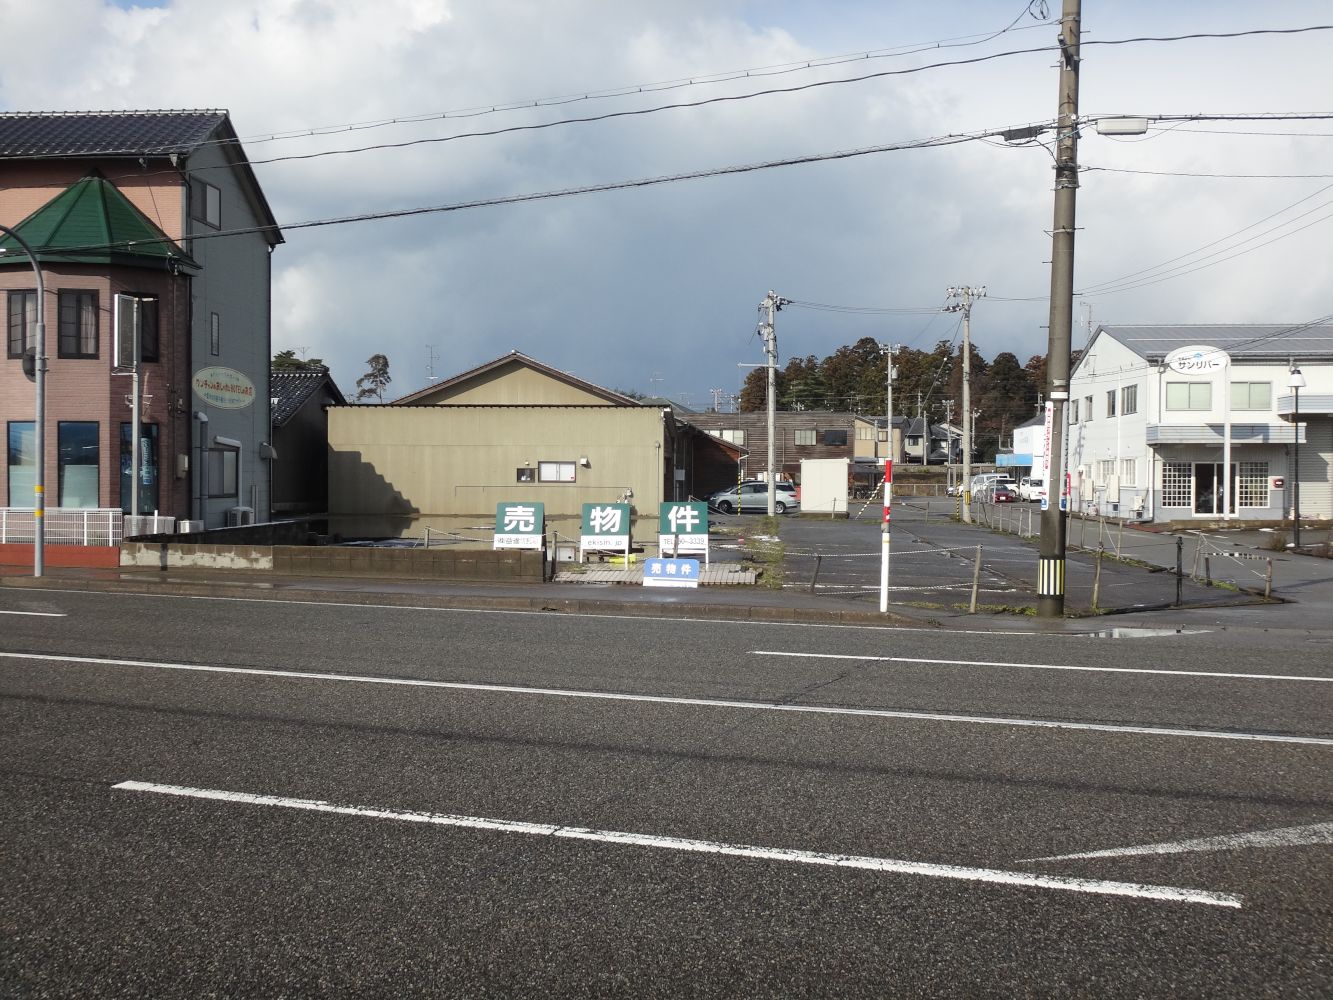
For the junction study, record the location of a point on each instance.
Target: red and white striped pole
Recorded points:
(884, 538)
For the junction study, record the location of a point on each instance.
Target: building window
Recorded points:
(1105, 470)
(214, 334)
(837, 439)
(148, 478)
(1087, 407)
(1129, 400)
(1189, 395)
(1252, 396)
(136, 317)
(1177, 484)
(206, 203)
(1129, 472)
(1110, 402)
(864, 433)
(1073, 411)
(805, 437)
(22, 321)
(1252, 484)
(527, 474)
(734, 435)
(22, 462)
(223, 469)
(555, 472)
(78, 456)
(78, 324)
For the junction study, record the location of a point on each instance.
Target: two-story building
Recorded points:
(149, 227)
(1172, 423)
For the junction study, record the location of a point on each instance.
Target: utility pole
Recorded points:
(889, 372)
(965, 295)
(1051, 549)
(767, 309)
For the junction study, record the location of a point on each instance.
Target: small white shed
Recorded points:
(824, 485)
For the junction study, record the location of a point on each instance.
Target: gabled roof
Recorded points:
(289, 391)
(1248, 341)
(92, 222)
(112, 135)
(109, 134)
(514, 359)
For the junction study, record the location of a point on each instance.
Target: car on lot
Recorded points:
(984, 482)
(1002, 494)
(752, 497)
(1032, 489)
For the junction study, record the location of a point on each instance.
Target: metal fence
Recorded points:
(64, 526)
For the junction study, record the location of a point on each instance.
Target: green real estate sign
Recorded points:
(683, 528)
(520, 525)
(605, 526)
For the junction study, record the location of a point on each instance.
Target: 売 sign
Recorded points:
(520, 526)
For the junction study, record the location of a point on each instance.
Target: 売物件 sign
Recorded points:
(683, 528)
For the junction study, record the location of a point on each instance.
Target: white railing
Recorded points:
(64, 526)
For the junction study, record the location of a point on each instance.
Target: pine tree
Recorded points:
(375, 380)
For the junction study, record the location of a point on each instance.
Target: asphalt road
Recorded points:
(209, 797)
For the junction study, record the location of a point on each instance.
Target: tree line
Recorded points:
(927, 383)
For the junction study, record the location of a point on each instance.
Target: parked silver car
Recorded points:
(752, 497)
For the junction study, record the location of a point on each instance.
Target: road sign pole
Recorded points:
(885, 543)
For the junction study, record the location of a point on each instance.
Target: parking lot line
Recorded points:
(625, 839)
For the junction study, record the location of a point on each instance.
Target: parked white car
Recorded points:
(1032, 489)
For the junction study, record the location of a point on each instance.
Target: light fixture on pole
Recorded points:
(1296, 382)
(39, 438)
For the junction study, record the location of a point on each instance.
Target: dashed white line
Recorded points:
(1044, 666)
(36, 614)
(874, 713)
(792, 856)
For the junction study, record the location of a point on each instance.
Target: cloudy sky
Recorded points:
(656, 288)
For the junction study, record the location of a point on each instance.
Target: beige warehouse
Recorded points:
(511, 430)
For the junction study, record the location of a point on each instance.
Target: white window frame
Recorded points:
(1198, 396)
(1129, 400)
(804, 437)
(556, 472)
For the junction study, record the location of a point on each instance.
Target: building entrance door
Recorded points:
(1208, 488)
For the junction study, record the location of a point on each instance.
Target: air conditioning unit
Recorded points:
(190, 527)
(238, 516)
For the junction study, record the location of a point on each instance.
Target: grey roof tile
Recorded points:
(104, 133)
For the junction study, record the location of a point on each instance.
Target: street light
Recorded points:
(1296, 382)
(39, 481)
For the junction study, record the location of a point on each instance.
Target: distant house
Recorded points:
(513, 429)
(300, 401)
(797, 435)
(147, 223)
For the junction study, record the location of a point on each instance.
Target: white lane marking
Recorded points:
(874, 713)
(1292, 836)
(36, 614)
(659, 619)
(1045, 666)
(625, 839)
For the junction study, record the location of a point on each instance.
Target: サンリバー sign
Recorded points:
(224, 388)
(1197, 360)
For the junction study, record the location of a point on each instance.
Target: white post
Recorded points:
(1226, 439)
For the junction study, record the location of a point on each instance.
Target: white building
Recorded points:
(1150, 425)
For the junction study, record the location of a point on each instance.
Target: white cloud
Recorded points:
(665, 280)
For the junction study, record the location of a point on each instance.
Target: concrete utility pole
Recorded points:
(773, 302)
(889, 372)
(965, 295)
(1051, 549)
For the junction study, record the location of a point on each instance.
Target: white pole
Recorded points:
(1226, 439)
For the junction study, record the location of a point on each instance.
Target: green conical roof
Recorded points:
(92, 222)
